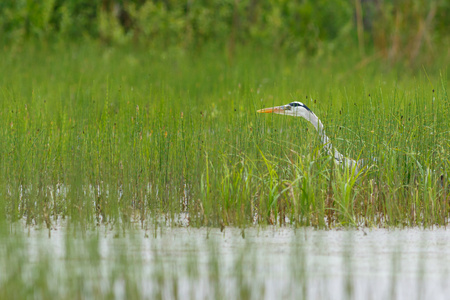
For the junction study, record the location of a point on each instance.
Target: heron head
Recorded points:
(296, 109)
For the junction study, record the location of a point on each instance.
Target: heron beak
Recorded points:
(278, 109)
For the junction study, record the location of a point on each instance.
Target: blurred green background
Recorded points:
(410, 32)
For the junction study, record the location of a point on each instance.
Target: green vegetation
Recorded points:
(129, 132)
(118, 135)
(407, 31)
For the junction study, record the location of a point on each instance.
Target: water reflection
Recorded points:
(269, 263)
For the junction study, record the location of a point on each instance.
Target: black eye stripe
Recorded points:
(296, 104)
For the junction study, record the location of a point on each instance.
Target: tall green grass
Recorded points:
(112, 136)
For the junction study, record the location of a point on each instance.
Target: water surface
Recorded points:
(255, 263)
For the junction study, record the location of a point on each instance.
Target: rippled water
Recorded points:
(255, 263)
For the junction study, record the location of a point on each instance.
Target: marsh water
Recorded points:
(251, 263)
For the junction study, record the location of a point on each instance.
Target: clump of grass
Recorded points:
(114, 136)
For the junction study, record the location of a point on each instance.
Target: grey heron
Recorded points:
(298, 109)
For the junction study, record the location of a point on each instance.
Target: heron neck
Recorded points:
(314, 120)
